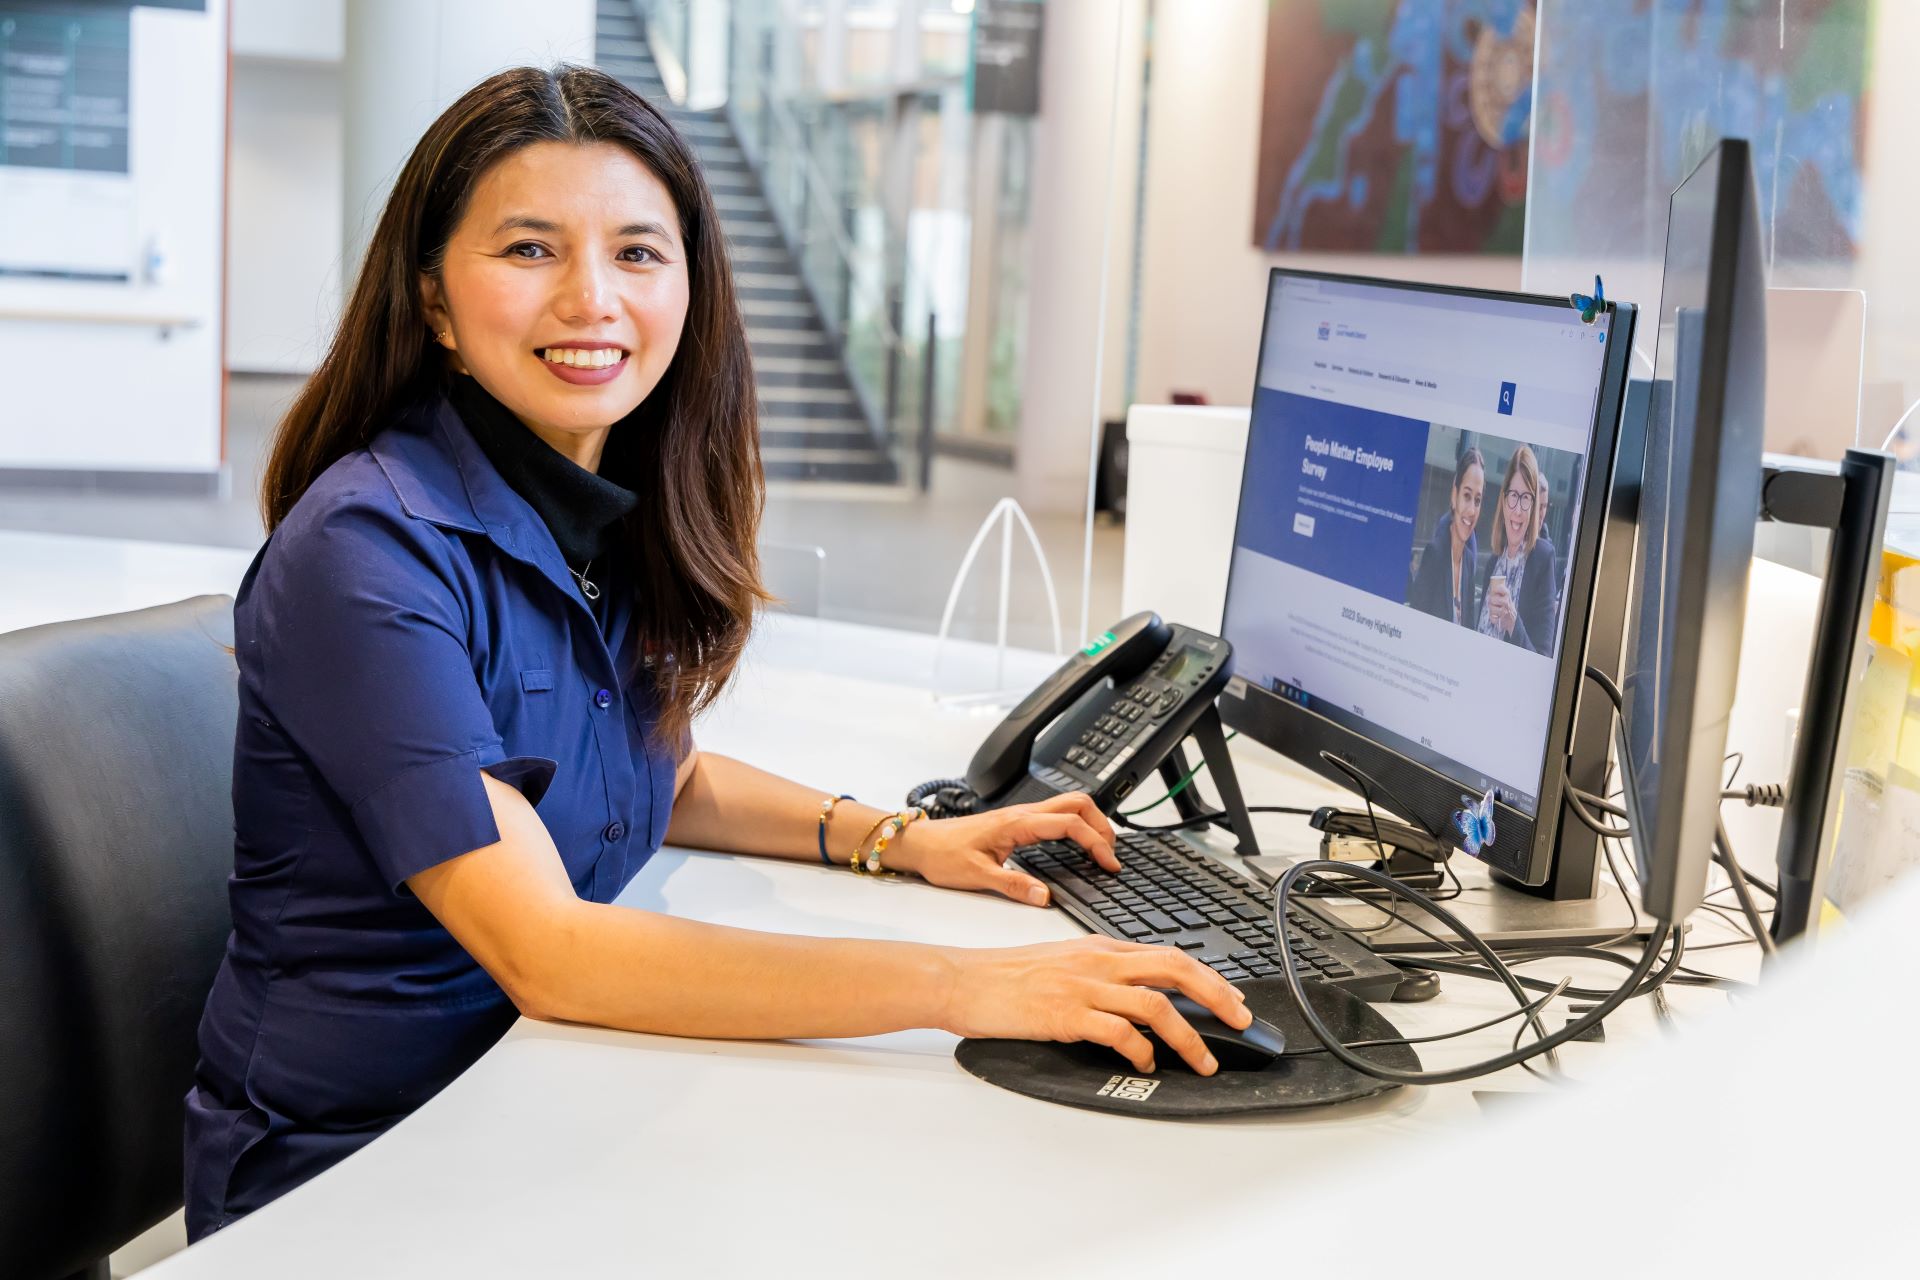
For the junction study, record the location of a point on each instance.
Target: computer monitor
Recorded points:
(1699, 501)
(1385, 415)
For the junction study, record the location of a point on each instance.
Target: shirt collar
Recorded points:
(580, 508)
(442, 476)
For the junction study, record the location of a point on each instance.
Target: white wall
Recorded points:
(406, 60)
(290, 196)
(1203, 284)
(283, 243)
(88, 385)
(1085, 161)
(288, 30)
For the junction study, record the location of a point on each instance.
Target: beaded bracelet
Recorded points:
(889, 829)
(826, 811)
(856, 860)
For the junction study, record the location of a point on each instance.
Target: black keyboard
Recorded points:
(1172, 893)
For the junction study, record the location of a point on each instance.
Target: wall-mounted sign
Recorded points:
(66, 188)
(64, 73)
(1005, 66)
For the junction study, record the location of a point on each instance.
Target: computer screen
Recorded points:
(1699, 502)
(1416, 469)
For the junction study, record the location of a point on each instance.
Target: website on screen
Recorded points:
(1414, 468)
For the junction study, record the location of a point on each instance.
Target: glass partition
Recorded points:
(1627, 99)
(924, 349)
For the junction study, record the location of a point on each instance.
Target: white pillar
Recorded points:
(406, 60)
(1082, 176)
(831, 63)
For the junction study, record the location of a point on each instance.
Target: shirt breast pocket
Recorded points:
(536, 680)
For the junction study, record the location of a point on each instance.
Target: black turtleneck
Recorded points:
(580, 508)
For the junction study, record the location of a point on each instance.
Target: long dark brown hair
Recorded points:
(691, 449)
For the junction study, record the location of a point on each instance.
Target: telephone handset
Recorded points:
(1111, 714)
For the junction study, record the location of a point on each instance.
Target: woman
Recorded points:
(1444, 584)
(511, 555)
(1517, 603)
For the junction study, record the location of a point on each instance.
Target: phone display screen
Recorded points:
(1184, 664)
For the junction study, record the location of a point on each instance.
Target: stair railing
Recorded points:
(851, 292)
(857, 292)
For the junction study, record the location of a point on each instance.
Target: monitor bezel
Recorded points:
(1307, 737)
(1672, 845)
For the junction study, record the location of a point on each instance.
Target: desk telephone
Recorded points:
(1113, 712)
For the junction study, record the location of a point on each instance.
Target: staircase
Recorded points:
(811, 426)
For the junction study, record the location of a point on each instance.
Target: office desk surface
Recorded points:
(576, 1149)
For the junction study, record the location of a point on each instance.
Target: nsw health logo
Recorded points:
(1326, 330)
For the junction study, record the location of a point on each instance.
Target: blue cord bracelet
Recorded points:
(825, 812)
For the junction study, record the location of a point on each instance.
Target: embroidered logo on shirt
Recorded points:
(1128, 1088)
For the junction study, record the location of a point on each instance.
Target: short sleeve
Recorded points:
(360, 628)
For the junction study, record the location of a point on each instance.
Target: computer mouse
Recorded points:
(1250, 1048)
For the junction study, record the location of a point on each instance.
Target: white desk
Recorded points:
(574, 1148)
(570, 1149)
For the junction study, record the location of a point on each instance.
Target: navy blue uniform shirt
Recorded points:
(410, 624)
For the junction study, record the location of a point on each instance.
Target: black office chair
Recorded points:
(116, 839)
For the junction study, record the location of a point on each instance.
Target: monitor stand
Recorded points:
(1576, 907)
(1504, 917)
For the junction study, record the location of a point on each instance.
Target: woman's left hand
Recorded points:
(971, 852)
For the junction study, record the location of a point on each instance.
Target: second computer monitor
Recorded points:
(1420, 519)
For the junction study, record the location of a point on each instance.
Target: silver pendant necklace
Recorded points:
(587, 588)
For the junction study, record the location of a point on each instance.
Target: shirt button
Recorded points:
(615, 831)
(603, 699)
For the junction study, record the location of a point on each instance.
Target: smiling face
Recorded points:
(1466, 502)
(563, 289)
(1517, 508)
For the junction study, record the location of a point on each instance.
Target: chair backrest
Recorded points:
(116, 840)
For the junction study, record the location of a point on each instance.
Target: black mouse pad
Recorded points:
(1095, 1077)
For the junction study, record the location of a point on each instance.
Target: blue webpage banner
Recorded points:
(1346, 487)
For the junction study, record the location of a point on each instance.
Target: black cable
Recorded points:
(1523, 1010)
(1578, 800)
(1728, 918)
(1608, 687)
(1366, 797)
(1468, 969)
(1754, 794)
(1753, 882)
(1464, 969)
(1613, 869)
(1366, 782)
(1531, 1018)
(1344, 891)
(1361, 776)
(1579, 1026)
(1185, 824)
(1737, 875)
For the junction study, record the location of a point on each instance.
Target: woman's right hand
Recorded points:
(1092, 988)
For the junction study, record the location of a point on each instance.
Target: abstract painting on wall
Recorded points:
(1395, 126)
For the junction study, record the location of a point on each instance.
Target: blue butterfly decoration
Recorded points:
(1590, 307)
(1474, 822)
